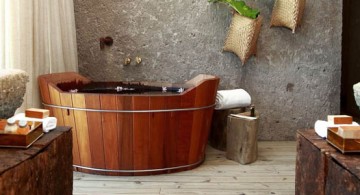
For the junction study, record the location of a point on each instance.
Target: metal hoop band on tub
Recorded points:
(129, 111)
(140, 171)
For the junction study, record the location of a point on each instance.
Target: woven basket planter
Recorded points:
(242, 36)
(287, 13)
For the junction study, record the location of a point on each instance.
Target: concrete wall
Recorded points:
(294, 80)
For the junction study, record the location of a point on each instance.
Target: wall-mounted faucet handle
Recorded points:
(108, 41)
(127, 61)
(138, 60)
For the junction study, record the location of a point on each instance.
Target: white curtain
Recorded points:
(37, 36)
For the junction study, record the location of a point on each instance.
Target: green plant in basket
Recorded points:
(240, 7)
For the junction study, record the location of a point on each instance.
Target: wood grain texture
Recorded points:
(55, 99)
(185, 132)
(241, 139)
(96, 140)
(69, 120)
(322, 169)
(44, 93)
(157, 132)
(217, 136)
(23, 171)
(343, 144)
(141, 140)
(110, 131)
(82, 129)
(197, 130)
(44, 90)
(272, 173)
(211, 91)
(173, 125)
(311, 163)
(342, 181)
(53, 79)
(125, 121)
(137, 141)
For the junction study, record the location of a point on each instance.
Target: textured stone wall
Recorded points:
(294, 80)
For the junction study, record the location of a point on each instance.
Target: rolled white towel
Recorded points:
(234, 98)
(322, 126)
(48, 123)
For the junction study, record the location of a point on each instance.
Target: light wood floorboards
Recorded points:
(272, 173)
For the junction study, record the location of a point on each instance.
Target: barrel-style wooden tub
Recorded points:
(133, 134)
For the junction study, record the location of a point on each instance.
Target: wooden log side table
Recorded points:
(43, 168)
(217, 136)
(242, 131)
(321, 169)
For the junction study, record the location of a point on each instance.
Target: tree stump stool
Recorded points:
(43, 168)
(217, 137)
(242, 138)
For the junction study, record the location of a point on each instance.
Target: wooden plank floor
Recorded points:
(272, 173)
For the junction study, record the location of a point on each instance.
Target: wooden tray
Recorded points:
(21, 141)
(340, 143)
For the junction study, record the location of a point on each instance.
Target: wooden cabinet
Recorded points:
(43, 168)
(321, 169)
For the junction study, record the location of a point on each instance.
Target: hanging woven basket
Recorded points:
(242, 36)
(287, 13)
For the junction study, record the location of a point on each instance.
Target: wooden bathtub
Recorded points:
(134, 134)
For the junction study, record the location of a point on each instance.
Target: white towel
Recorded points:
(48, 123)
(322, 126)
(234, 98)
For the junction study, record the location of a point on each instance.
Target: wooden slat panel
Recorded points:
(197, 141)
(204, 96)
(44, 90)
(82, 129)
(56, 78)
(141, 133)
(53, 79)
(95, 131)
(55, 99)
(184, 133)
(157, 131)
(196, 135)
(125, 121)
(208, 113)
(69, 120)
(172, 122)
(110, 131)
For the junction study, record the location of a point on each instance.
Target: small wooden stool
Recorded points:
(242, 138)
